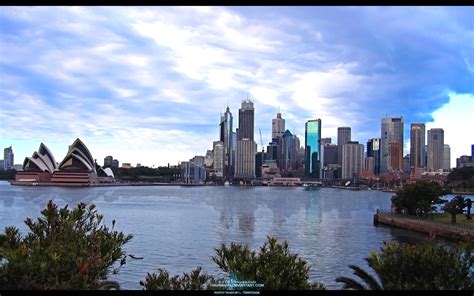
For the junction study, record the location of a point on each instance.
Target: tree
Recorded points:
(454, 207)
(419, 198)
(416, 267)
(64, 249)
(274, 267)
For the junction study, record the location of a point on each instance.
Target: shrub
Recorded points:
(64, 249)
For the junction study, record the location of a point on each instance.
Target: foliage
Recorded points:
(461, 178)
(274, 265)
(419, 198)
(195, 280)
(147, 174)
(64, 249)
(419, 267)
(8, 174)
(455, 206)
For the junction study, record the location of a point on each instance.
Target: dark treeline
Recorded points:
(147, 174)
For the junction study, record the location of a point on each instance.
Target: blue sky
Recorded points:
(147, 84)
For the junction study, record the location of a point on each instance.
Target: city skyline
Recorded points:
(148, 85)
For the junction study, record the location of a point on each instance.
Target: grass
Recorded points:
(460, 219)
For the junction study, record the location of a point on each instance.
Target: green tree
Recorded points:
(454, 207)
(64, 249)
(419, 198)
(273, 266)
(416, 267)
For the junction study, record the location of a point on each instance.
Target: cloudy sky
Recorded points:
(148, 84)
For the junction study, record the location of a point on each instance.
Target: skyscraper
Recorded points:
(8, 158)
(108, 161)
(352, 159)
(435, 149)
(391, 144)
(246, 146)
(417, 145)
(373, 150)
(343, 137)
(312, 148)
(447, 157)
(278, 126)
(288, 161)
(218, 161)
(226, 139)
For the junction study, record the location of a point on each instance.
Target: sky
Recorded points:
(148, 84)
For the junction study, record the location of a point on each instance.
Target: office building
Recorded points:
(218, 161)
(116, 164)
(325, 141)
(352, 159)
(435, 149)
(259, 161)
(8, 158)
(464, 161)
(226, 138)
(447, 157)
(343, 137)
(288, 156)
(278, 126)
(108, 161)
(373, 150)
(312, 148)
(417, 146)
(391, 145)
(246, 146)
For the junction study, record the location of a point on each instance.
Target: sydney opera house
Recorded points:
(78, 168)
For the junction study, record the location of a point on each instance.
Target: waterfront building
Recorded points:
(115, 164)
(272, 150)
(246, 146)
(209, 161)
(417, 146)
(125, 165)
(226, 139)
(17, 167)
(108, 161)
(352, 159)
(373, 150)
(270, 170)
(391, 145)
(435, 149)
(343, 137)
(312, 148)
(259, 160)
(8, 158)
(329, 161)
(278, 126)
(218, 162)
(464, 161)
(288, 156)
(447, 157)
(2, 165)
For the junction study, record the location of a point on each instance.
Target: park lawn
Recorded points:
(460, 219)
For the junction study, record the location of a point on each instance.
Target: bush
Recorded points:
(420, 267)
(419, 198)
(64, 249)
(274, 266)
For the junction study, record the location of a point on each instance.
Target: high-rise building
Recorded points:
(352, 159)
(406, 164)
(417, 145)
(330, 154)
(115, 163)
(343, 137)
(226, 138)
(288, 159)
(373, 150)
(218, 161)
(325, 141)
(278, 126)
(108, 161)
(435, 149)
(391, 155)
(246, 146)
(8, 158)
(259, 161)
(447, 157)
(209, 161)
(472, 151)
(312, 148)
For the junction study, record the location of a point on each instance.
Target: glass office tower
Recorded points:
(313, 149)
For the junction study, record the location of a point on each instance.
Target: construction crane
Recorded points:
(261, 140)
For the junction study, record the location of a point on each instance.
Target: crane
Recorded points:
(261, 140)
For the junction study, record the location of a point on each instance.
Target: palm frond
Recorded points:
(350, 284)
(366, 277)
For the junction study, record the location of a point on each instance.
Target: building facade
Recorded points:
(373, 150)
(417, 146)
(391, 144)
(343, 137)
(352, 160)
(218, 161)
(447, 158)
(435, 149)
(226, 138)
(278, 126)
(8, 158)
(246, 146)
(312, 148)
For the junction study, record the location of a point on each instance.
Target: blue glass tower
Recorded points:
(312, 148)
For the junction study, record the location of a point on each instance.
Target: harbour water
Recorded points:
(177, 228)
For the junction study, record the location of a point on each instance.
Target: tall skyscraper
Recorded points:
(391, 144)
(373, 150)
(352, 159)
(218, 161)
(288, 159)
(8, 158)
(447, 157)
(343, 137)
(278, 126)
(108, 161)
(226, 139)
(417, 145)
(246, 146)
(312, 148)
(435, 149)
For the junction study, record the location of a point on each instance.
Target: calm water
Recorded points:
(177, 228)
